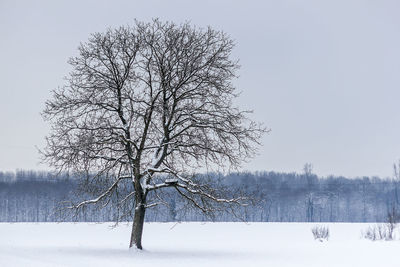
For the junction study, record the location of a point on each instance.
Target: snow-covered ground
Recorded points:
(191, 244)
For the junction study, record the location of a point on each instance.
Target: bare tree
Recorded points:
(310, 205)
(150, 104)
(396, 181)
(308, 169)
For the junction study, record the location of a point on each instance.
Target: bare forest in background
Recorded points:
(28, 196)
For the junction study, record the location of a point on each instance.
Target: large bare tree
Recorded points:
(150, 104)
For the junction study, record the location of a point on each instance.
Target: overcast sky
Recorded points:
(323, 75)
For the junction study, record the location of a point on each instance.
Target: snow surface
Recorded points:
(191, 244)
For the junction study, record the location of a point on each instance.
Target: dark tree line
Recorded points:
(27, 196)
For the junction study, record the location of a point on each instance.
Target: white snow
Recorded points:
(191, 244)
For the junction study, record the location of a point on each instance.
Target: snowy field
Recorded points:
(191, 244)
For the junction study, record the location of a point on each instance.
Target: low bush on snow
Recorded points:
(381, 231)
(320, 233)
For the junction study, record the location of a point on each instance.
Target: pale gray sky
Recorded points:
(323, 75)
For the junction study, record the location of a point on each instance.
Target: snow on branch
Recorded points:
(182, 184)
(210, 196)
(103, 195)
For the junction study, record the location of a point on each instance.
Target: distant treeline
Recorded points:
(29, 196)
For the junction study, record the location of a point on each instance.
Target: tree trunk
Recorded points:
(137, 227)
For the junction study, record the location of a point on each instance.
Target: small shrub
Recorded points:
(382, 231)
(320, 233)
